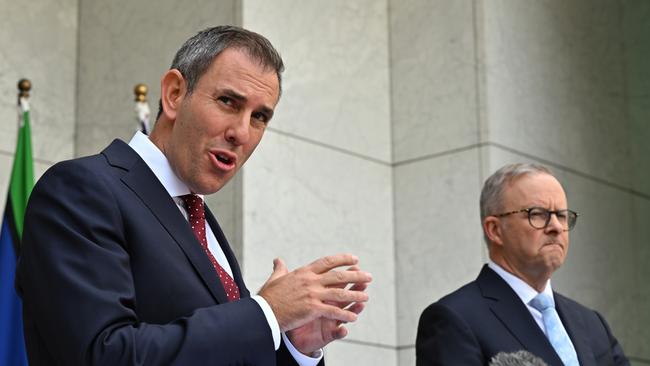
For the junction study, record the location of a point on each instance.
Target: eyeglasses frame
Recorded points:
(548, 219)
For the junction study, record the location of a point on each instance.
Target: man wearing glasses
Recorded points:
(511, 305)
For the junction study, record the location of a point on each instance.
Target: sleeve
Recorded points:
(443, 338)
(270, 319)
(301, 359)
(283, 344)
(285, 358)
(80, 306)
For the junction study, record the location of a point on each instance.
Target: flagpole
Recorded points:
(24, 86)
(142, 108)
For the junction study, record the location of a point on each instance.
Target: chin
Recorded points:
(215, 186)
(555, 263)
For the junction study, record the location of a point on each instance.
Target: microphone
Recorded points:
(519, 358)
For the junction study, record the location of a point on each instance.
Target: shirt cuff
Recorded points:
(302, 359)
(270, 318)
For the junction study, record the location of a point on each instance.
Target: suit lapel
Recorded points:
(141, 180)
(230, 256)
(575, 326)
(513, 313)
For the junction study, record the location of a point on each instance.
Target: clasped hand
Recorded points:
(311, 302)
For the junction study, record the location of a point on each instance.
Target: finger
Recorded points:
(338, 314)
(357, 307)
(356, 287)
(336, 278)
(328, 263)
(339, 332)
(342, 296)
(343, 305)
(343, 285)
(362, 286)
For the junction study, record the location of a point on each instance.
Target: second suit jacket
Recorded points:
(110, 273)
(485, 317)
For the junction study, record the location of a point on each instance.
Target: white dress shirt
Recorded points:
(157, 162)
(525, 292)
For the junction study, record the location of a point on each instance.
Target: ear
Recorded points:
(173, 90)
(492, 229)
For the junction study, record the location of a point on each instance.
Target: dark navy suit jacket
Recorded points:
(111, 274)
(485, 317)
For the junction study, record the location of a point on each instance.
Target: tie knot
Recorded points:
(542, 302)
(194, 205)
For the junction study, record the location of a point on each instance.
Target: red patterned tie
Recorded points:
(196, 217)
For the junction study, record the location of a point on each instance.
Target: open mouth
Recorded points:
(224, 159)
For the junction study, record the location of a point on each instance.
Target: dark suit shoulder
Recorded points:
(445, 334)
(461, 298)
(118, 155)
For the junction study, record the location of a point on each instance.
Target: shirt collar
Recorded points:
(521, 288)
(159, 165)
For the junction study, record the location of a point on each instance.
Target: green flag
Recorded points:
(22, 173)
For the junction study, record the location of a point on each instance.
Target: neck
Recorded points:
(535, 280)
(159, 135)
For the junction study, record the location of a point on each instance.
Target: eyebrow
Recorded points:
(242, 99)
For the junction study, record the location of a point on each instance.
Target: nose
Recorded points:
(237, 132)
(554, 224)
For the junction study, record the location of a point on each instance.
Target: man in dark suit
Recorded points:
(511, 305)
(111, 271)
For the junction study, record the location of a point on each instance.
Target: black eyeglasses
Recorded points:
(539, 217)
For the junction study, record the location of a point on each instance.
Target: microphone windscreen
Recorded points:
(519, 358)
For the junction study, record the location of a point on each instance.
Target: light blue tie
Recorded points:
(556, 333)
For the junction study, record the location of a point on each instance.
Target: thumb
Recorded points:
(279, 270)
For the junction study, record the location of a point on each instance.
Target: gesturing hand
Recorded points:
(321, 331)
(313, 301)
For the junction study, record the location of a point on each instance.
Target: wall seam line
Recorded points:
(391, 119)
(466, 148)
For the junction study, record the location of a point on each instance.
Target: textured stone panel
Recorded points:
(439, 243)
(555, 83)
(341, 353)
(636, 27)
(406, 357)
(336, 84)
(39, 42)
(433, 77)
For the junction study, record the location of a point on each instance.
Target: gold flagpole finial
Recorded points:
(140, 91)
(24, 86)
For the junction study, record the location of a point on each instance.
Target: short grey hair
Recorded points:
(196, 55)
(493, 188)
